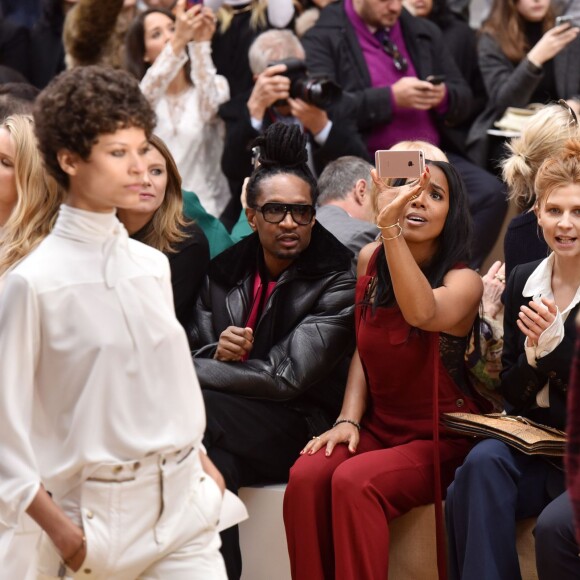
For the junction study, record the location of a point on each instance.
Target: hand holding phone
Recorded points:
(436, 79)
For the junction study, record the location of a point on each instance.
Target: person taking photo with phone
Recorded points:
(524, 59)
(416, 303)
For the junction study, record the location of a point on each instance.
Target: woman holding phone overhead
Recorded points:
(171, 57)
(415, 306)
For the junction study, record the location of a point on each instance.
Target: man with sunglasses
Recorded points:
(273, 328)
(400, 83)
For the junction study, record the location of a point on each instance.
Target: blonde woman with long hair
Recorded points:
(29, 200)
(29, 197)
(158, 221)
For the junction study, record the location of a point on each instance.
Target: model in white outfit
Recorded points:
(187, 120)
(100, 405)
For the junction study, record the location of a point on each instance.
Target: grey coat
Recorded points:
(512, 85)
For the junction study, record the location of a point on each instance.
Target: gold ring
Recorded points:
(316, 437)
(500, 278)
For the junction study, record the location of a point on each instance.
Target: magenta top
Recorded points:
(405, 123)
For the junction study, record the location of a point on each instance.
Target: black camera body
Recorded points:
(318, 91)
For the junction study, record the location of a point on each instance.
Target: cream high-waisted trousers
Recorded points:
(152, 519)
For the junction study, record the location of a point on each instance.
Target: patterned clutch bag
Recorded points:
(525, 435)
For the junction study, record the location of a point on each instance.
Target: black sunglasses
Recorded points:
(392, 50)
(274, 213)
(573, 118)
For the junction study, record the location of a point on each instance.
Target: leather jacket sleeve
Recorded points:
(302, 359)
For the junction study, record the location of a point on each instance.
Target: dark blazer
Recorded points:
(512, 85)
(520, 382)
(332, 49)
(304, 338)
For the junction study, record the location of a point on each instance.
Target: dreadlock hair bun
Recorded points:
(282, 145)
(282, 151)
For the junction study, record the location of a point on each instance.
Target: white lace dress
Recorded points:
(188, 121)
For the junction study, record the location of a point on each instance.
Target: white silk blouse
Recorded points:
(94, 366)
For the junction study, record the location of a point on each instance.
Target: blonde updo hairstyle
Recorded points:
(39, 196)
(543, 137)
(558, 171)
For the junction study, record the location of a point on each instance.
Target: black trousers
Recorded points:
(488, 205)
(250, 441)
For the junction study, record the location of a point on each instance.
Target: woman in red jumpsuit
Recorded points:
(416, 305)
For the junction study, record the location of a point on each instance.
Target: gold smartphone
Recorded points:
(407, 164)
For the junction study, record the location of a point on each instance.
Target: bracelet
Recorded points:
(76, 553)
(393, 237)
(395, 225)
(355, 423)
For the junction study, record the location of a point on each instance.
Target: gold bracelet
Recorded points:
(392, 238)
(77, 551)
(397, 225)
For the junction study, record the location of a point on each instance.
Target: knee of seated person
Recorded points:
(348, 482)
(552, 525)
(482, 461)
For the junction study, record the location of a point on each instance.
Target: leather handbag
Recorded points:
(524, 434)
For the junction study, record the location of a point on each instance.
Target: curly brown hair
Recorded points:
(81, 104)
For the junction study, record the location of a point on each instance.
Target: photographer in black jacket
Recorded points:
(273, 327)
(251, 113)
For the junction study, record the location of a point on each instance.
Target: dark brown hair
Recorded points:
(135, 46)
(81, 104)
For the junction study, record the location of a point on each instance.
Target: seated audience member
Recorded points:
(171, 57)
(386, 92)
(541, 303)
(91, 349)
(415, 307)
(253, 111)
(461, 41)
(239, 23)
(16, 99)
(543, 136)
(344, 202)
(523, 59)
(158, 221)
(273, 328)
(29, 201)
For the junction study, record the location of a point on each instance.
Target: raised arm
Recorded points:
(213, 89)
(451, 307)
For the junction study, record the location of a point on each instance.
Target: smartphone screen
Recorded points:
(408, 164)
(191, 3)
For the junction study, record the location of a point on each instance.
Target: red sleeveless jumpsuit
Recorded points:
(337, 509)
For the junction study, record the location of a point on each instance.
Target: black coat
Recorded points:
(304, 338)
(520, 382)
(332, 49)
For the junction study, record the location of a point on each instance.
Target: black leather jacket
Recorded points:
(304, 339)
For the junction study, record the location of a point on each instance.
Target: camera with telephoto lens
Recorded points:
(318, 91)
